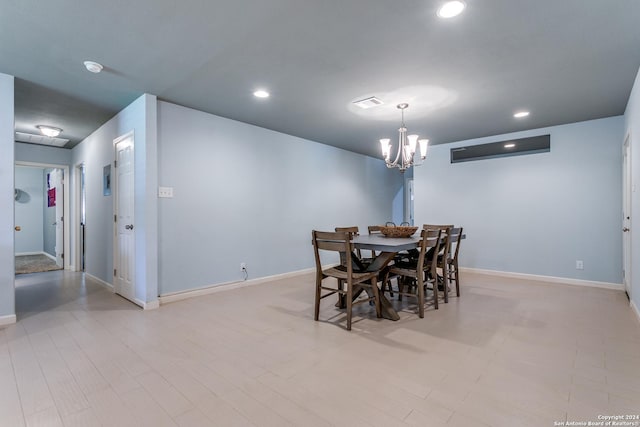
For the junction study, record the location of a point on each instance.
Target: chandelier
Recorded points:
(405, 158)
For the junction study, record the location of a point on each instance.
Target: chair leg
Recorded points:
(445, 285)
(376, 295)
(401, 280)
(420, 296)
(318, 293)
(457, 278)
(340, 303)
(349, 304)
(435, 292)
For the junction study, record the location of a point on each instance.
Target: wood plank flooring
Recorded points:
(508, 352)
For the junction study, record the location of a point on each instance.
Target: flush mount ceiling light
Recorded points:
(521, 114)
(406, 147)
(93, 67)
(261, 93)
(451, 9)
(49, 131)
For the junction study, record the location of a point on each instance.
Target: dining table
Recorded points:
(386, 249)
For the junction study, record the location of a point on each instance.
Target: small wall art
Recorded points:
(106, 180)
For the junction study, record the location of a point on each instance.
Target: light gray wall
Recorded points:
(96, 151)
(632, 128)
(29, 209)
(534, 214)
(42, 154)
(247, 194)
(7, 260)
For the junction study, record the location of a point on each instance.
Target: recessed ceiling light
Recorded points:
(451, 9)
(509, 145)
(521, 114)
(261, 94)
(49, 131)
(93, 67)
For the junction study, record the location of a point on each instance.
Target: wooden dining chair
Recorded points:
(452, 273)
(341, 242)
(422, 271)
(354, 232)
(436, 226)
(443, 256)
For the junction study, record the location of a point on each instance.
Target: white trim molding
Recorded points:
(147, 305)
(221, 287)
(635, 309)
(548, 279)
(49, 256)
(107, 285)
(7, 320)
(36, 253)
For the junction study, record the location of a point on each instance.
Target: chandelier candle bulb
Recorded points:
(413, 139)
(424, 144)
(386, 147)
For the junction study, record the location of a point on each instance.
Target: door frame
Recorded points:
(627, 197)
(114, 191)
(409, 200)
(78, 214)
(66, 202)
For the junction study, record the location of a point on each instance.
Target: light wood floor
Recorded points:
(507, 353)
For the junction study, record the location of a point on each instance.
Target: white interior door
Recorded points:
(58, 184)
(627, 190)
(124, 247)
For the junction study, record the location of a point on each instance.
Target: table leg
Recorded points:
(379, 263)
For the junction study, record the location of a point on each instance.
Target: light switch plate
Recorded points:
(165, 192)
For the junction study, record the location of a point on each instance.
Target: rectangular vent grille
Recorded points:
(368, 102)
(40, 139)
(513, 147)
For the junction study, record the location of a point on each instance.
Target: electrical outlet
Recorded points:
(165, 192)
(579, 265)
(243, 266)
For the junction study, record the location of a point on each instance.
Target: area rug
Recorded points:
(35, 264)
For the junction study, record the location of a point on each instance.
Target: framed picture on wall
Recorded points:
(51, 197)
(106, 180)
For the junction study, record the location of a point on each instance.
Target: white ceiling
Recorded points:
(565, 61)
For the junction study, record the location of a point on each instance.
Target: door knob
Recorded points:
(128, 227)
(17, 228)
(625, 229)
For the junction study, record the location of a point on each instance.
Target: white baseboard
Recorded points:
(147, 305)
(36, 253)
(48, 256)
(7, 320)
(107, 285)
(178, 296)
(635, 310)
(548, 279)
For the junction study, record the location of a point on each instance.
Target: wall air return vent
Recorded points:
(368, 102)
(513, 147)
